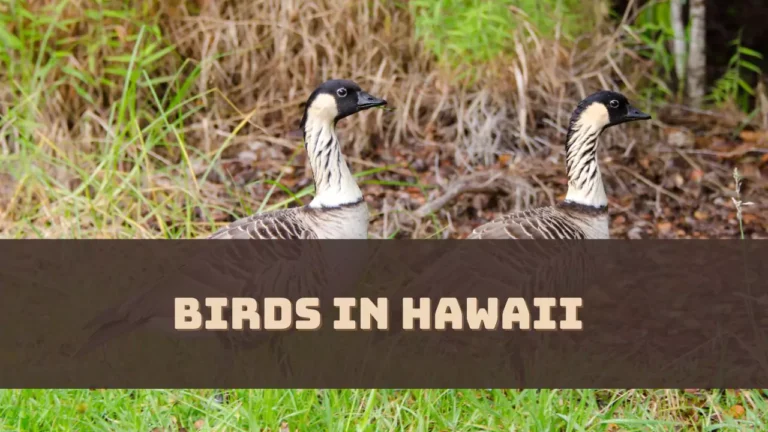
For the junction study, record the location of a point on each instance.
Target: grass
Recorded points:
(115, 123)
(382, 410)
(443, 26)
(99, 121)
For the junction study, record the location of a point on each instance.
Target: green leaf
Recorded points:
(750, 52)
(743, 84)
(154, 57)
(125, 58)
(76, 73)
(122, 72)
(83, 94)
(9, 40)
(754, 68)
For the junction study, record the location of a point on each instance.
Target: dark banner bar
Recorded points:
(383, 314)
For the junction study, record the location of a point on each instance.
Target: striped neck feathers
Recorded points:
(585, 185)
(334, 184)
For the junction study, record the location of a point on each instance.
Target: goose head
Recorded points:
(591, 117)
(604, 109)
(336, 99)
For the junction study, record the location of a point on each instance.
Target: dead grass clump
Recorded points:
(263, 57)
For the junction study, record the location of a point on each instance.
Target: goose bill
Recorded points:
(635, 114)
(365, 101)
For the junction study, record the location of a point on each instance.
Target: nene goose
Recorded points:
(338, 210)
(584, 212)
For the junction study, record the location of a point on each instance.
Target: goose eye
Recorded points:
(614, 103)
(341, 92)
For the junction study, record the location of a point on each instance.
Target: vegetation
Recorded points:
(144, 120)
(369, 410)
(444, 25)
(732, 86)
(654, 27)
(166, 119)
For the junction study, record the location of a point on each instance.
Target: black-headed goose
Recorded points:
(338, 210)
(584, 212)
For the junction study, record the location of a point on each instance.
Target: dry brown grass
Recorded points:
(264, 57)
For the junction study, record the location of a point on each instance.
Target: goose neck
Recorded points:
(334, 183)
(585, 184)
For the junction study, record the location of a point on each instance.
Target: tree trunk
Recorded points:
(697, 57)
(678, 48)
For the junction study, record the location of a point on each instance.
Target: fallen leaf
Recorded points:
(737, 151)
(664, 227)
(749, 218)
(199, 424)
(697, 175)
(645, 162)
(737, 411)
(701, 215)
(754, 136)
